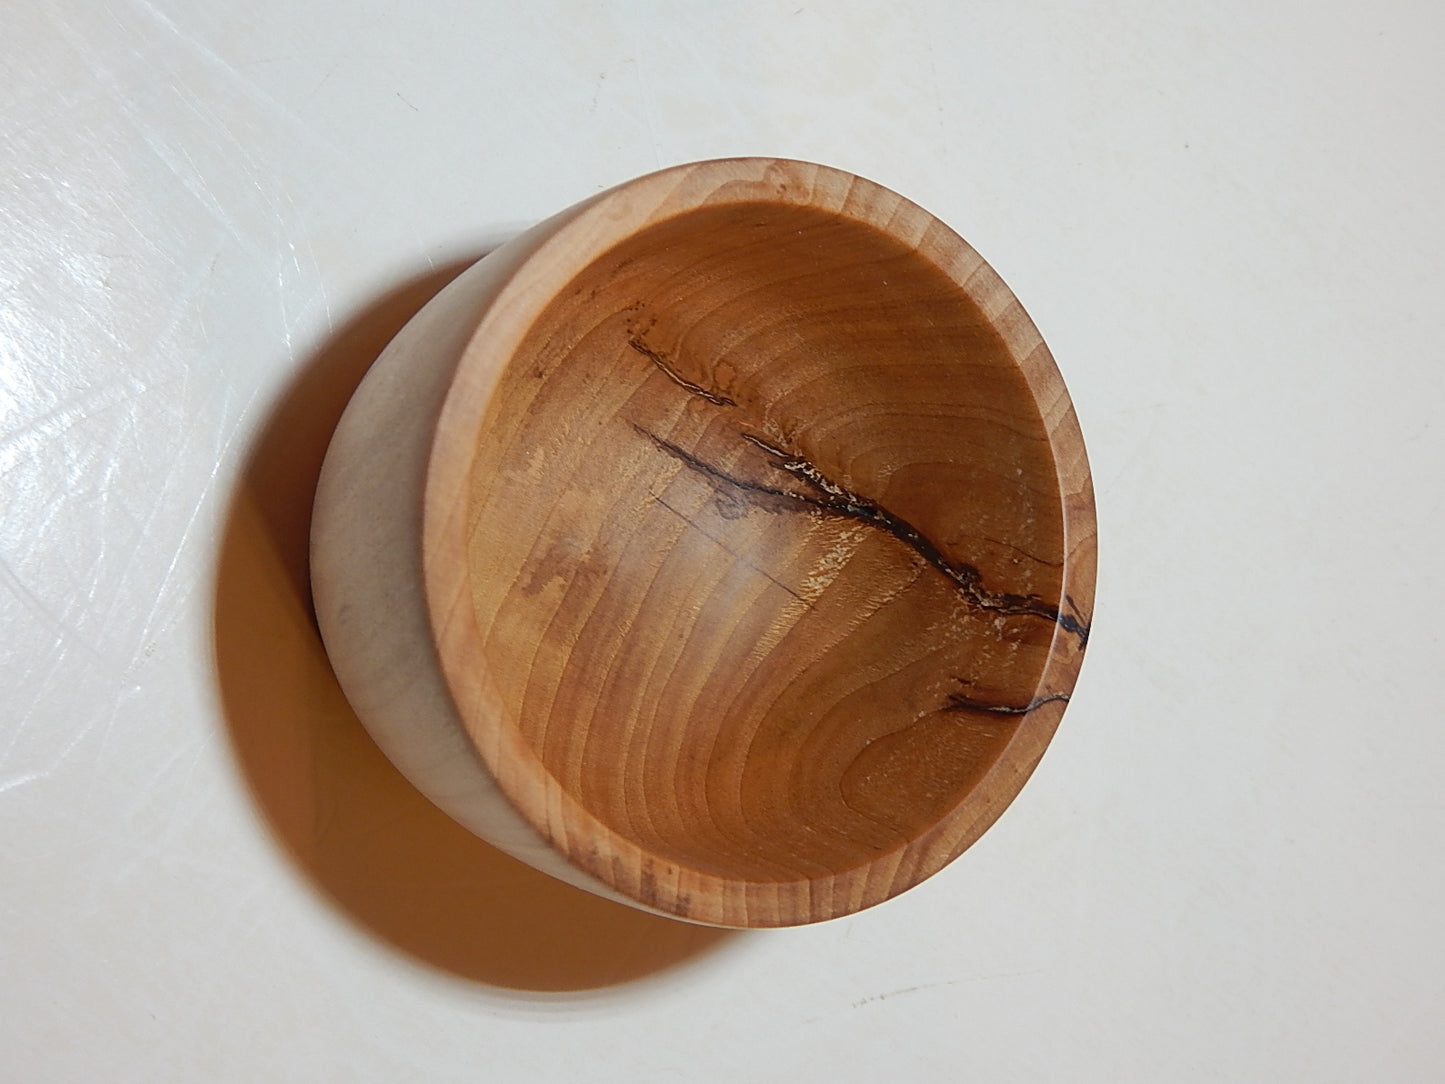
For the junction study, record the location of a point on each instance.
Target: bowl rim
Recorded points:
(569, 243)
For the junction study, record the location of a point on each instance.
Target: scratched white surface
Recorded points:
(1227, 221)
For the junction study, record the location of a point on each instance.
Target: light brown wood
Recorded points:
(754, 539)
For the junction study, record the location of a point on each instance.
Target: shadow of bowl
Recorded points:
(366, 839)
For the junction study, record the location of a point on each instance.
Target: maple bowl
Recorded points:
(723, 545)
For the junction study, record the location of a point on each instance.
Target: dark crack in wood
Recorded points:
(778, 499)
(960, 702)
(660, 360)
(838, 501)
(968, 578)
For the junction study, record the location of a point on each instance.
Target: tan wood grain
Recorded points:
(742, 535)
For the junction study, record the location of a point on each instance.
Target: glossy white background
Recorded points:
(1227, 221)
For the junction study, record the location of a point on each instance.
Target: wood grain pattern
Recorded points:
(756, 539)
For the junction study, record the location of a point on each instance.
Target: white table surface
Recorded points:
(1227, 221)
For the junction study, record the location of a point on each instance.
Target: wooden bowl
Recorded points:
(723, 545)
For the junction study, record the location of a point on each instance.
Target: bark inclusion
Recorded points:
(830, 498)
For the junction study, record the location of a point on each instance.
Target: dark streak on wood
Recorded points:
(960, 702)
(839, 501)
(660, 360)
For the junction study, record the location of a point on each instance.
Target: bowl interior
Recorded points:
(766, 541)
